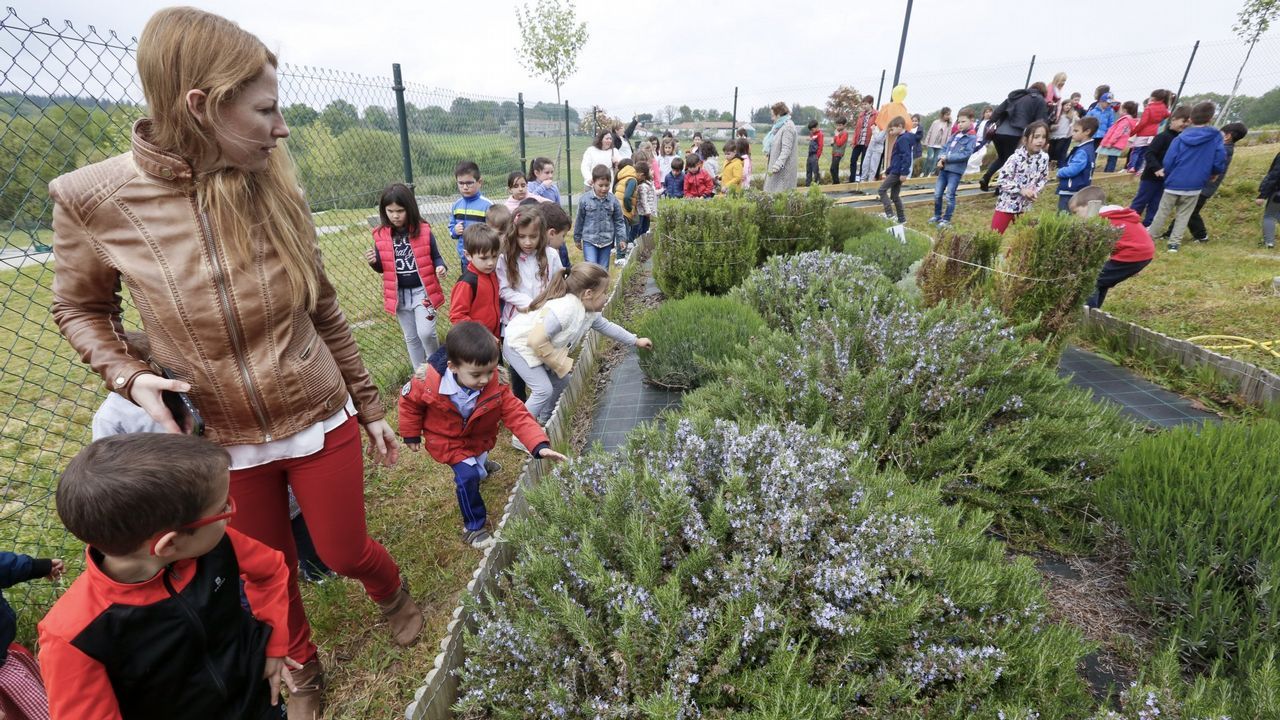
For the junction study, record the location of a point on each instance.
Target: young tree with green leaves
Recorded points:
(1252, 22)
(550, 39)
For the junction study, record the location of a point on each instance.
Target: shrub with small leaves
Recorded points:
(1049, 269)
(707, 571)
(704, 246)
(956, 270)
(886, 251)
(790, 287)
(1198, 507)
(792, 222)
(950, 395)
(692, 335)
(1162, 690)
(846, 222)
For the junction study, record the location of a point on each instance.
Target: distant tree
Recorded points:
(377, 117)
(697, 116)
(762, 115)
(726, 116)
(550, 39)
(843, 101)
(1265, 110)
(597, 119)
(1252, 22)
(645, 118)
(668, 114)
(711, 114)
(299, 115)
(340, 116)
(1239, 106)
(684, 114)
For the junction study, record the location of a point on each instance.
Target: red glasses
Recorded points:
(226, 514)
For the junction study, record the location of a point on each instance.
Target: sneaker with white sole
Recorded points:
(1173, 247)
(479, 539)
(944, 223)
(934, 220)
(492, 467)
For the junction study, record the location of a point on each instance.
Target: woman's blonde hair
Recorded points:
(181, 49)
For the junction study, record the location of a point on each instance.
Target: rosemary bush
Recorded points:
(950, 395)
(885, 251)
(704, 246)
(1198, 507)
(791, 287)
(710, 572)
(960, 275)
(792, 222)
(846, 222)
(1050, 266)
(691, 335)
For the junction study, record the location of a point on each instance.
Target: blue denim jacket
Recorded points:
(957, 151)
(600, 221)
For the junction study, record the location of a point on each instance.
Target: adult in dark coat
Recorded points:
(1019, 110)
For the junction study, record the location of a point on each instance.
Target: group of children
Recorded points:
(133, 635)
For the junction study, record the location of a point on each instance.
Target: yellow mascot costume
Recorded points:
(897, 108)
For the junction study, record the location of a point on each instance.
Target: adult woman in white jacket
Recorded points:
(780, 146)
(601, 152)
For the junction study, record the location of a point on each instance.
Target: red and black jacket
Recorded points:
(451, 440)
(177, 645)
(475, 297)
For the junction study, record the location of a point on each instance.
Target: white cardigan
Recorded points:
(594, 156)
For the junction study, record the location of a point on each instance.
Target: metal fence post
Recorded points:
(568, 162)
(1031, 68)
(902, 46)
(524, 160)
(881, 90)
(398, 87)
(733, 132)
(1187, 72)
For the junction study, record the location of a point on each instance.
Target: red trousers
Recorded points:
(1000, 221)
(329, 486)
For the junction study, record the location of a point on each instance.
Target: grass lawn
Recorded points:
(1222, 287)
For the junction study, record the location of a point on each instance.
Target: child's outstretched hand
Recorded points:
(645, 343)
(1261, 201)
(55, 573)
(277, 670)
(549, 454)
(413, 447)
(370, 256)
(440, 270)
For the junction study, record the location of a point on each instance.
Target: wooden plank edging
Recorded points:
(434, 699)
(1256, 385)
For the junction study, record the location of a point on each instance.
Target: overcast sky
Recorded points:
(680, 52)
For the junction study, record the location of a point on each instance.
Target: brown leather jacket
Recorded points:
(260, 368)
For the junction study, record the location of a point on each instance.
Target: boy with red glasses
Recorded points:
(154, 627)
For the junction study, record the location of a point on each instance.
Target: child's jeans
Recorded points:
(1113, 273)
(835, 168)
(811, 172)
(1176, 208)
(1063, 200)
(858, 152)
(1270, 215)
(1196, 223)
(891, 189)
(1111, 163)
(544, 385)
(417, 324)
(1137, 154)
(1147, 200)
(466, 480)
(946, 186)
(930, 161)
(597, 255)
(564, 255)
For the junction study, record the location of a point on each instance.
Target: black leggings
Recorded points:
(1005, 145)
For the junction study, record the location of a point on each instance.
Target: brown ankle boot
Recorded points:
(403, 616)
(307, 701)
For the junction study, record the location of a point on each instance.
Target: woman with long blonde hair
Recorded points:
(206, 225)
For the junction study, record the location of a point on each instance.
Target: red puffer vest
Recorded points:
(421, 256)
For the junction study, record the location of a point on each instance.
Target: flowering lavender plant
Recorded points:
(789, 288)
(710, 571)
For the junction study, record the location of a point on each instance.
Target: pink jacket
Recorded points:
(1118, 136)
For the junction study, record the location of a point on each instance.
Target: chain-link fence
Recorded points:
(69, 97)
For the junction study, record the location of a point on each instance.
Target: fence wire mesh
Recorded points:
(69, 96)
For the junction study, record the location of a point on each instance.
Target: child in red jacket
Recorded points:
(475, 295)
(697, 181)
(154, 627)
(1133, 250)
(457, 398)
